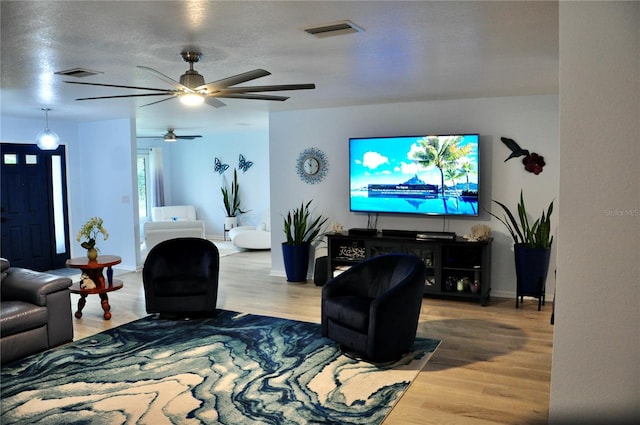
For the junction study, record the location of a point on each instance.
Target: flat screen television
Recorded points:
(433, 175)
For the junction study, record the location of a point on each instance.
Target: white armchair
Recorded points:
(174, 213)
(253, 237)
(171, 222)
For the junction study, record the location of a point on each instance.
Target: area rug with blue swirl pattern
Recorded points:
(233, 368)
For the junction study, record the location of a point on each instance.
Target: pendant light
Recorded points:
(47, 140)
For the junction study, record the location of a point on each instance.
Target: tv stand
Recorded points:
(453, 264)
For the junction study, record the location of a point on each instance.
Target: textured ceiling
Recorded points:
(409, 51)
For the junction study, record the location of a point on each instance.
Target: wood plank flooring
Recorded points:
(493, 366)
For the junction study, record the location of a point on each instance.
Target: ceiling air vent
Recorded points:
(78, 72)
(337, 28)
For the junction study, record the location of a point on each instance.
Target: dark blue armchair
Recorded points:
(180, 277)
(372, 309)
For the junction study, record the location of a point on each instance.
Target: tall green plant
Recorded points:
(300, 227)
(536, 235)
(231, 197)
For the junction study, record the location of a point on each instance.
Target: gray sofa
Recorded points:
(35, 312)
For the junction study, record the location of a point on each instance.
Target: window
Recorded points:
(144, 198)
(58, 204)
(10, 159)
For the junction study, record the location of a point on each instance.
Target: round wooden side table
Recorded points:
(94, 269)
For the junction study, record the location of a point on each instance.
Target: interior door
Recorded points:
(33, 205)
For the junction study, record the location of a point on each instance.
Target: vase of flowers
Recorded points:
(90, 231)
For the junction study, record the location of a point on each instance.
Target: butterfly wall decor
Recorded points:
(243, 164)
(219, 167)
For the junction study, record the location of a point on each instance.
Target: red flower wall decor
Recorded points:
(532, 162)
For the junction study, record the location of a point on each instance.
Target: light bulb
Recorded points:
(47, 140)
(192, 99)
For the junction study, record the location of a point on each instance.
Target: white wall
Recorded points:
(190, 178)
(595, 375)
(104, 185)
(532, 121)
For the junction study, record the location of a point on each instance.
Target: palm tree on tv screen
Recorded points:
(467, 168)
(452, 173)
(441, 152)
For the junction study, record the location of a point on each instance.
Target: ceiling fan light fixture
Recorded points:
(192, 79)
(47, 140)
(170, 136)
(192, 99)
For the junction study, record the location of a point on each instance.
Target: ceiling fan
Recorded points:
(170, 136)
(192, 89)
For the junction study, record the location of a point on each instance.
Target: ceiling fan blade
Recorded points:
(172, 134)
(236, 79)
(158, 101)
(128, 95)
(166, 79)
(115, 85)
(252, 96)
(254, 89)
(212, 101)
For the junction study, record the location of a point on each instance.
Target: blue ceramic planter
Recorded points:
(532, 265)
(296, 261)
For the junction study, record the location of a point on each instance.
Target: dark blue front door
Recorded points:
(29, 235)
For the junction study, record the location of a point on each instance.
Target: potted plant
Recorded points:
(300, 229)
(231, 200)
(532, 249)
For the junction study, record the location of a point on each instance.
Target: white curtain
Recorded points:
(157, 179)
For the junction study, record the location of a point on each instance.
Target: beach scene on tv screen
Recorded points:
(416, 175)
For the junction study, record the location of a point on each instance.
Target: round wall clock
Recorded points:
(312, 165)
